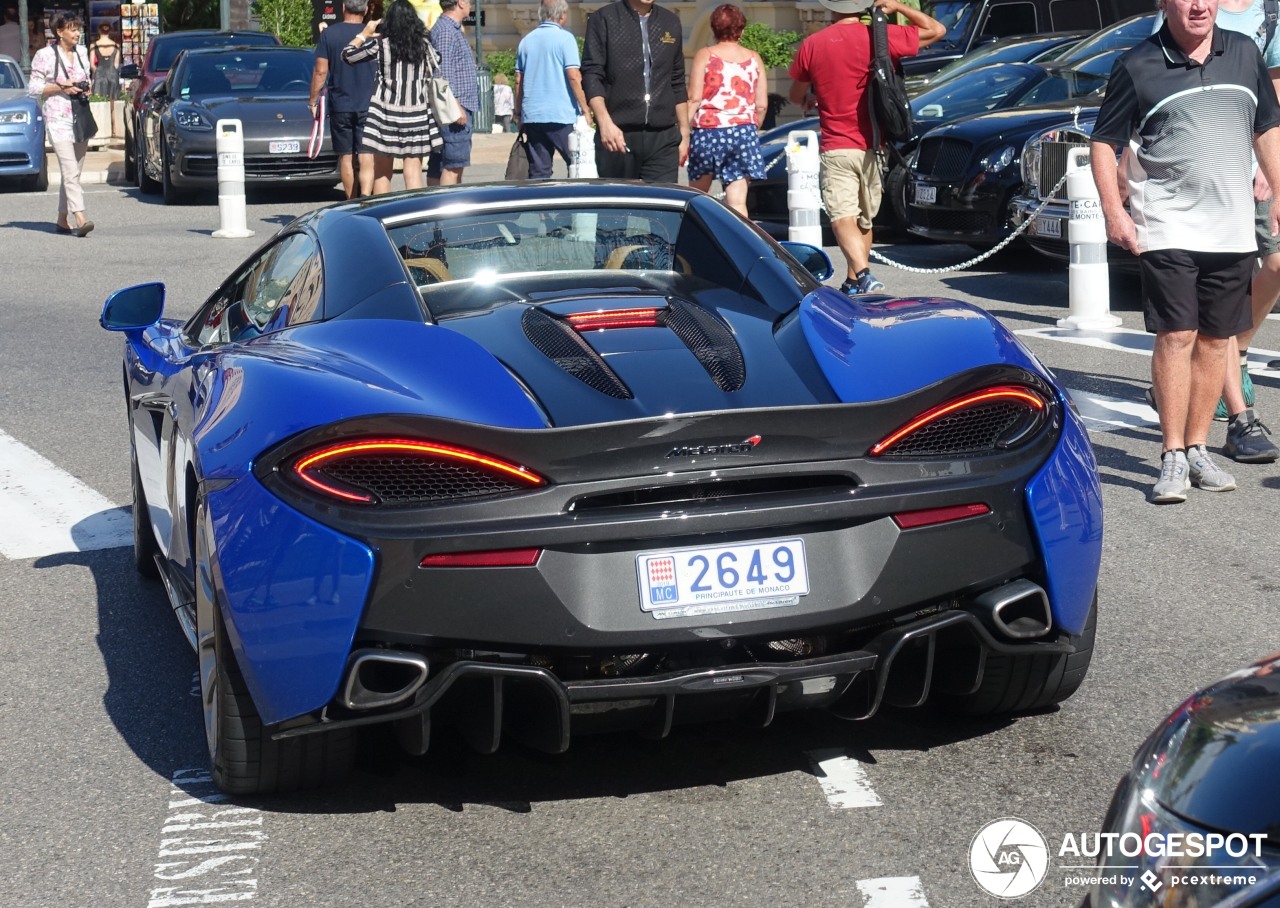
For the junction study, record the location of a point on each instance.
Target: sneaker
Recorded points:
(1206, 474)
(863, 285)
(1173, 483)
(1247, 440)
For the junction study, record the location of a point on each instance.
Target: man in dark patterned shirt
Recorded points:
(633, 74)
(458, 66)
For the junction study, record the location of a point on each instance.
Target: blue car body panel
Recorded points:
(22, 151)
(294, 590)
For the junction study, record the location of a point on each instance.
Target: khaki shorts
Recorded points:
(850, 179)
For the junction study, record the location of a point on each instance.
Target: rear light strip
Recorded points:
(909, 520)
(616, 318)
(496, 558)
(988, 395)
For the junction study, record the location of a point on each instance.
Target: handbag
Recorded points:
(83, 125)
(444, 105)
(518, 160)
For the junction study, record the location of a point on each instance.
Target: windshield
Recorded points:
(472, 262)
(1012, 51)
(958, 16)
(1125, 34)
(167, 50)
(10, 76)
(1061, 87)
(246, 72)
(981, 90)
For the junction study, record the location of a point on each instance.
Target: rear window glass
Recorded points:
(167, 51)
(478, 261)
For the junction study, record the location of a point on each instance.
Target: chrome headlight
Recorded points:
(1031, 167)
(192, 119)
(998, 161)
(15, 116)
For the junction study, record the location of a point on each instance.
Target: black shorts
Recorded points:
(1197, 291)
(346, 130)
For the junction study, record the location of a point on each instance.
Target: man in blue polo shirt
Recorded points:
(1191, 212)
(549, 94)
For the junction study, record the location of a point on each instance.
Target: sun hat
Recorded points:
(847, 6)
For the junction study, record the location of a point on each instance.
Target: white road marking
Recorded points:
(893, 892)
(1130, 340)
(844, 780)
(214, 852)
(48, 511)
(1107, 414)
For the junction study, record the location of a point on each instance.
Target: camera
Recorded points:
(83, 86)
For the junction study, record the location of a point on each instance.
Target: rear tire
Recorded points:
(38, 182)
(145, 548)
(244, 758)
(1015, 684)
(146, 185)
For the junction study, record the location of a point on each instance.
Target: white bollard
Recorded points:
(229, 144)
(804, 198)
(582, 151)
(1088, 282)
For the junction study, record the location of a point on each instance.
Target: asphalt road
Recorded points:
(102, 797)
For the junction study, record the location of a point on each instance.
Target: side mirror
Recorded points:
(810, 258)
(133, 308)
(129, 71)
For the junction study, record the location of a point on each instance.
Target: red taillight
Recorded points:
(1003, 394)
(368, 471)
(615, 318)
(500, 558)
(909, 519)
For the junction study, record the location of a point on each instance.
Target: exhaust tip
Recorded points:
(378, 677)
(1019, 610)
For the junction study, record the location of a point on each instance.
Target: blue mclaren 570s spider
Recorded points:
(520, 462)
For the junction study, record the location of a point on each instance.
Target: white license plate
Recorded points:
(926, 195)
(1048, 227)
(725, 578)
(284, 147)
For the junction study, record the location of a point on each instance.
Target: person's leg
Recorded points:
(659, 156)
(735, 196)
(1171, 376)
(66, 155)
(412, 173)
(702, 183)
(347, 173)
(71, 183)
(558, 137)
(365, 159)
(539, 150)
(1206, 358)
(383, 165)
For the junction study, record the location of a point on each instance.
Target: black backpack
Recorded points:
(886, 92)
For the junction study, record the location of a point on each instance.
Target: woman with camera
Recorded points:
(60, 78)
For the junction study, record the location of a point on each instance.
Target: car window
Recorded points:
(981, 90)
(10, 76)
(245, 72)
(282, 284)
(1015, 51)
(167, 49)
(1123, 34)
(1062, 86)
(1067, 14)
(472, 263)
(1006, 19)
(957, 16)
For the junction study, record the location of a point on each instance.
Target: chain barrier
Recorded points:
(1049, 197)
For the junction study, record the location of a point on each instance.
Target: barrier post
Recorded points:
(804, 200)
(1088, 281)
(229, 144)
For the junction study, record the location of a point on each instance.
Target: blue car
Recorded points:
(21, 130)
(522, 462)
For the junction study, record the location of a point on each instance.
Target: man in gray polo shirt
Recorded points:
(1191, 204)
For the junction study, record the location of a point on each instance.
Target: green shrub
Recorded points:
(775, 48)
(290, 20)
(502, 61)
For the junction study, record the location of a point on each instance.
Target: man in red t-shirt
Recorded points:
(833, 67)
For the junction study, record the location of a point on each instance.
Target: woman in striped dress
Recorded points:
(400, 124)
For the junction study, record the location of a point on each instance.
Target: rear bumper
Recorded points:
(487, 702)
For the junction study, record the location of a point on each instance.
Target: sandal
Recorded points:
(84, 228)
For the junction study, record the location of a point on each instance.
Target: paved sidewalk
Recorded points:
(105, 164)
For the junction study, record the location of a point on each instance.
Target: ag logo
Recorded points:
(1008, 858)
